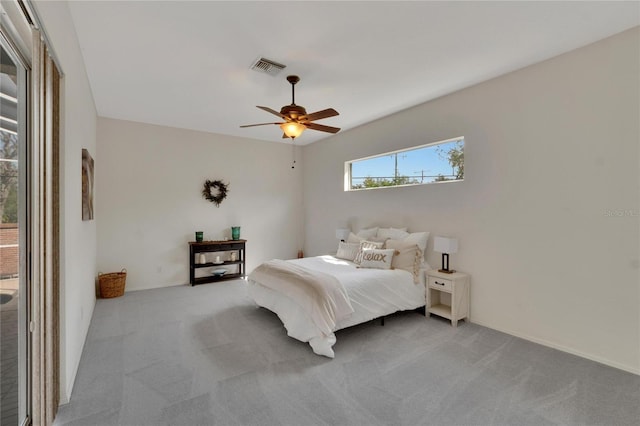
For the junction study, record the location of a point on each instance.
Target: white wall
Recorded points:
(551, 152)
(150, 204)
(78, 238)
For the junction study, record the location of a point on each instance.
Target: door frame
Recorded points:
(23, 84)
(40, 259)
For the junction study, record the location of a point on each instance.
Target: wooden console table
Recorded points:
(195, 248)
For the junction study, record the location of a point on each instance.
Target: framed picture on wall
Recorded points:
(87, 185)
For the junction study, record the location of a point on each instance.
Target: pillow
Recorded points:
(393, 233)
(348, 251)
(408, 257)
(419, 238)
(353, 238)
(377, 258)
(367, 233)
(366, 245)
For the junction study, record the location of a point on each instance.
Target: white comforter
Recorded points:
(321, 295)
(372, 292)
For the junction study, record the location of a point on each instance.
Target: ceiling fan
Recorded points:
(296, 119)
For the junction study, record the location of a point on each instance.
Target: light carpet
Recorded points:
(207, 355)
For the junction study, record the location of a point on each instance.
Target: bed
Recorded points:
(370, 293)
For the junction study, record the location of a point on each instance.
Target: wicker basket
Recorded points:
(112, 284)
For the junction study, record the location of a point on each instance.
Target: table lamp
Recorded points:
(342, 234)
(445, 246)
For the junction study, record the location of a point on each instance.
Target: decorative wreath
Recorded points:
(220, 191)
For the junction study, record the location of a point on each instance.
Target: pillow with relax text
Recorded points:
(366, 245)
(377, 258)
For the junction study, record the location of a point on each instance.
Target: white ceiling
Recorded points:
(186, 64)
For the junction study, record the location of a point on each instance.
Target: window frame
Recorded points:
(348, 168)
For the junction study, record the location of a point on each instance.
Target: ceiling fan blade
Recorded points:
(318, 115)
(261, 124)
(322, 128)
(274, 112)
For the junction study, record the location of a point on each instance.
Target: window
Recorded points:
(14, 308)
(435, 162)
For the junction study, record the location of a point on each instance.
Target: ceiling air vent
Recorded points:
(267, 66)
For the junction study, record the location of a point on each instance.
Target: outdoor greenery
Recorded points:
(453, 155)
(8, 178)
(10, 214)
(370, 182)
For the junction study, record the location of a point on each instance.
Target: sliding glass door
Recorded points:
(14, 355)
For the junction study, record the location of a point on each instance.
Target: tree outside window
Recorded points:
(436, 162)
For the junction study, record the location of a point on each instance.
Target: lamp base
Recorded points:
(447, 271)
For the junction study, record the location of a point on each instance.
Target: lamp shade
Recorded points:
(342, 233)
(292, 129)
(445, 245)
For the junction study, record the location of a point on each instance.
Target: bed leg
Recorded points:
(382, 321)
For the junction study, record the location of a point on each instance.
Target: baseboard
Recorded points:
(562, 348)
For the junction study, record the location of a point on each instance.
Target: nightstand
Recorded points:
(448, 295)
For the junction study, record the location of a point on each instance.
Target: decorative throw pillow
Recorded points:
(366, 245)
(348, 251)
(393, 233)
(408, 257)
(419, 238)
(377, 258)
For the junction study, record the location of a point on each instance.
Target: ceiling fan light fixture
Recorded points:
(296, 118)
(292, 129)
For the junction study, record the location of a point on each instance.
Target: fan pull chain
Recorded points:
(293, 154)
